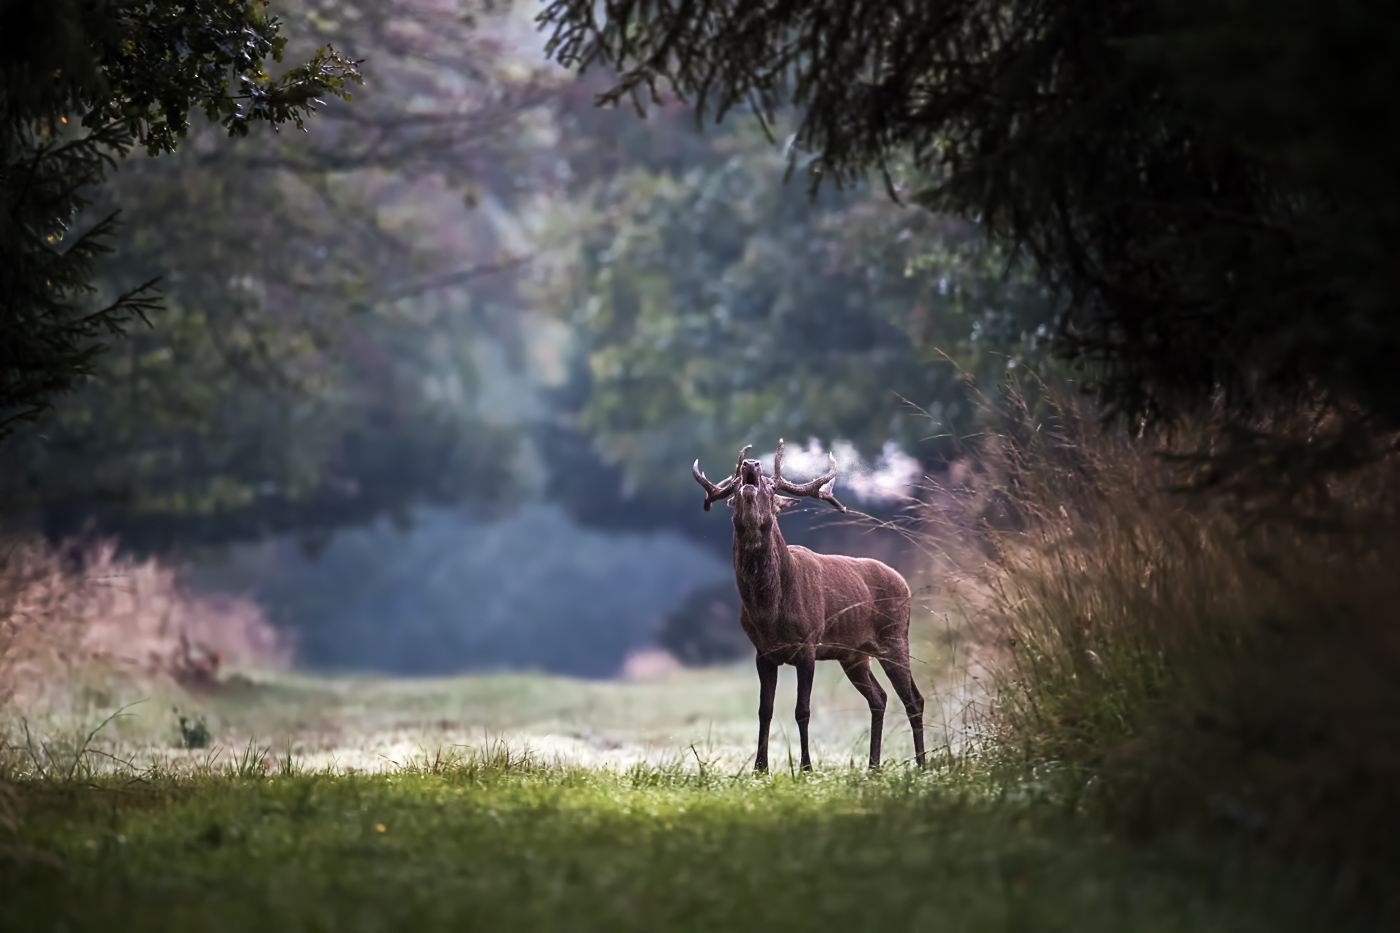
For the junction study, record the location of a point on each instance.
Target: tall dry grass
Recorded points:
(1171, 659)
(70, 610)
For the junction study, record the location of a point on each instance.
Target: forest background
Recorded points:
(426, 379)
(1109, 285)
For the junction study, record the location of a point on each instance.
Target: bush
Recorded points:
(1177, 662)
(78, 606)
(705, 628)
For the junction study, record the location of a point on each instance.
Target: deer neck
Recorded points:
(761, 560)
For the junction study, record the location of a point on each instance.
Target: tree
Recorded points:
(330, 301)
(1208, 186)
(715, 307)
(81, 83)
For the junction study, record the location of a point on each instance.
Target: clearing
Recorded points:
(541, 803)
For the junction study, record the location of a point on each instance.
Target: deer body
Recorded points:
(800, 607)
(844, 609)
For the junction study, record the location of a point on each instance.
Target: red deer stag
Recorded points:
(800, 607)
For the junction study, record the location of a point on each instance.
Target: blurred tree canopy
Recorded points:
(81, 83)
(1211, 189)
(353, 319)
(329, 302)
(473, 283)
(718, 306)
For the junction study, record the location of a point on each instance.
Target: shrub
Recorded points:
(705, 628)
(1172, 659)
(78, 606)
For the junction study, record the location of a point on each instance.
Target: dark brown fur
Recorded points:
(800, 607)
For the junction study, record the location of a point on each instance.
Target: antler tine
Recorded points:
(778, 464)
(742, 454)
(713, 493)
(812, 488)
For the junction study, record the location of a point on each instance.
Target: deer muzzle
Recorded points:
(750, 475)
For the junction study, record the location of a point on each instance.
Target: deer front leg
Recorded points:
(767, 687)
(806, 667)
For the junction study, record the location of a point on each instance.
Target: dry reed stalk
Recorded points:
(1187, 660)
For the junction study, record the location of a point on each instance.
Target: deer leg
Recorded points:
(902, 679)
(767, 686)
(863, 678)
(806, 668)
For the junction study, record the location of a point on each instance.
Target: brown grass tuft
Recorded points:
(1177, 661)
(69, 609)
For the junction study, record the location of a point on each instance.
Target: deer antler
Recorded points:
(811, 488)
(713, 493)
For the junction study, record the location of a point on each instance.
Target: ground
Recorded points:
(530, 802)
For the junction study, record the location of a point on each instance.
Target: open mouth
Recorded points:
(749, 473)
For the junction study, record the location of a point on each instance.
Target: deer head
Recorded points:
(755, 498)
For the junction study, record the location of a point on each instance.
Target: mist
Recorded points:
(452, 594)
(890, 477)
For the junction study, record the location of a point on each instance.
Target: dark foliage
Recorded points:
(705, 628)
(1211, 187)
(365, 474)
(315, 360)
(81, 83)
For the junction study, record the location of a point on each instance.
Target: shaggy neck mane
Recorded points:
(761, 561)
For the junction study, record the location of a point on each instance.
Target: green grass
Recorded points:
(537, 803)
(494, 841)
(367, 723)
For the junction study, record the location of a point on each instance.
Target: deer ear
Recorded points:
(786, 502)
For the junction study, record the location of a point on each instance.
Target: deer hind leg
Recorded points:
(902, 679)
(806, 665)
(860, 675)
(767, 687)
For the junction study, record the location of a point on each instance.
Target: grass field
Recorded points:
(527, 802)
